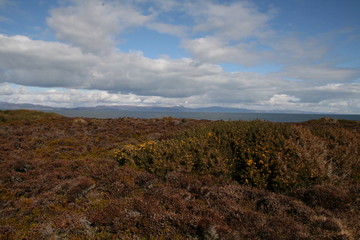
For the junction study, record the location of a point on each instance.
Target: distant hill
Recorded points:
(179, 108)
(28, 106)
(165, 109)
(14, 106)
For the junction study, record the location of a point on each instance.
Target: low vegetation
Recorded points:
(75, 178)
(25, 115)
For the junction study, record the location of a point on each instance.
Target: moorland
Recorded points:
(127, 178)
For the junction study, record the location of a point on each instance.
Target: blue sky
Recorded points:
(263, 54)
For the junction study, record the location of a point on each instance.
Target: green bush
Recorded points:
(267, 155)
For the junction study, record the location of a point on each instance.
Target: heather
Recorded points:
(77, 178)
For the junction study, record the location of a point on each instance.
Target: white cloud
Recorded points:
(262, 99)
(213, 32)
(236, 21)
(40, 63)
(6, 90)
(229, 33)
(281, 99)
(93, 24)
(211, 49)
(239, 33)
(46, 64)
(118, 76)
(333, 92)
(65, 97)
(320, 73)
(292, 49)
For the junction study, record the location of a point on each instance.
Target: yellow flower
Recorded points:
(250, 162)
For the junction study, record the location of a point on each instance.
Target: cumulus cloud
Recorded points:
(290, 48)
(93, 25)
(238, 32)
(86, 68)
(235, 21)
(334, 92)
(52, 64)
(281, 99)
(48, 64)
(40, 63)
(62, 97)
(231, 32)
(119, 76)
(6, 90)
(211, 49)
(320, 73)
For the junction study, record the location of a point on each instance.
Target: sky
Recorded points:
(293, 55)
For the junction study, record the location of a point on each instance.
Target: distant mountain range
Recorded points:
(15, 106)
(28, 106)
(165, 109)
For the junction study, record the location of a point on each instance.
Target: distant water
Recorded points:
(273, 117)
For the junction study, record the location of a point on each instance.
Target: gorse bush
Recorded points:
(263, 154)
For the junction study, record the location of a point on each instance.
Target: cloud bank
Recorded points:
(86, 65)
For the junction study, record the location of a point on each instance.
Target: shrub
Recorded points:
(327, 196)
(266, 155)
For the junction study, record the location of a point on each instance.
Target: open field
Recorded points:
(78, 178)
